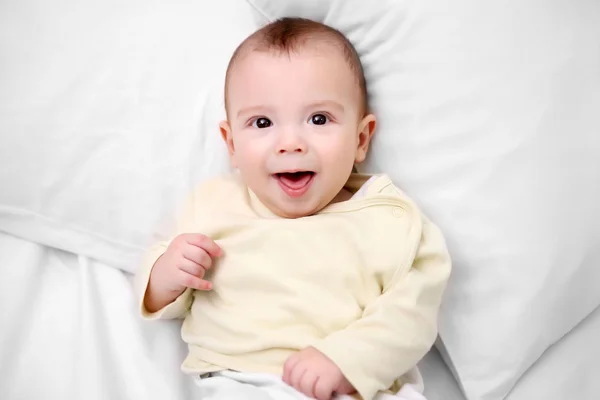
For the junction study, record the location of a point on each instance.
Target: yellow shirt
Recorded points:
(361, 281)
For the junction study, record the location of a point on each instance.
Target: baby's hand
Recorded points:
(184, 264)
(314, 374)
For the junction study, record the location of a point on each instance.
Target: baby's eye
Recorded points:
(262, 122)
(318, 119)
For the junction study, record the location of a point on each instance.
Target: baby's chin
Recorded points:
(295, 209)
(293, 212)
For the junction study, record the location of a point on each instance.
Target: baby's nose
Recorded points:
(292, 149)
(291, 142)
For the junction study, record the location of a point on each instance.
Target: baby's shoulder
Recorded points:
(383, 188)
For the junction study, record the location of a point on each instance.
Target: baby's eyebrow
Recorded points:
(327, 104)
(253, 110)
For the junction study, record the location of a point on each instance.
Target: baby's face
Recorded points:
(295, 127)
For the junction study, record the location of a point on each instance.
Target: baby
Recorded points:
(296, 277)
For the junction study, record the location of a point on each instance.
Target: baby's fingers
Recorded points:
(205, 243)
(307, 384)
(288, 367)
(198, 256)
(194, 282)
(323, 389)
(192, 268)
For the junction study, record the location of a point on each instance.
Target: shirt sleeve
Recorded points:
(178, 308)
(397, 329)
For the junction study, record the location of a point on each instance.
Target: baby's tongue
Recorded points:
(295, 180)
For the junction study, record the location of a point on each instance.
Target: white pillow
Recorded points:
(104, 119)
(568, 370)
(488, 116)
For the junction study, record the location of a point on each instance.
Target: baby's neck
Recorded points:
(343, 195)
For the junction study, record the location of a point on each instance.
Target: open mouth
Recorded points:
(296, 183)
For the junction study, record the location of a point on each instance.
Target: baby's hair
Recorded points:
(288, 35)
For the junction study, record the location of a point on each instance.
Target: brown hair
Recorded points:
(288, 35)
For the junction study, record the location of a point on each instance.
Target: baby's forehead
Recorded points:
(323, 69)
(309, 48)
(254, 61)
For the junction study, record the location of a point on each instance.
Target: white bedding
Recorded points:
(108, 115)
(439, 382)
(570, 369)
(70, 331)
(105, 125)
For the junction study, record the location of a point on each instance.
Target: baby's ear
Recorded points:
(225, 129)
(366, 129)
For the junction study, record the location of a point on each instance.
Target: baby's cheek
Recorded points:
(342, 158)
(251, 155)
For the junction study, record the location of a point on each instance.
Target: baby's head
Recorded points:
(297, 115)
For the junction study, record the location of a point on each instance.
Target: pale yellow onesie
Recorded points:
(361, 281)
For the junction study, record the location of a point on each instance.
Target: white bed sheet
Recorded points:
(70, 331)
(439, 381)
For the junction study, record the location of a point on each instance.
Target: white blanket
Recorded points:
(70, 331)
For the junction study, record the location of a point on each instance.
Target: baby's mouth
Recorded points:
(295, 180)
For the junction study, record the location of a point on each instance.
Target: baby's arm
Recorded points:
(172, 270)
(169, 275)
(148, 299)
(397, 329)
